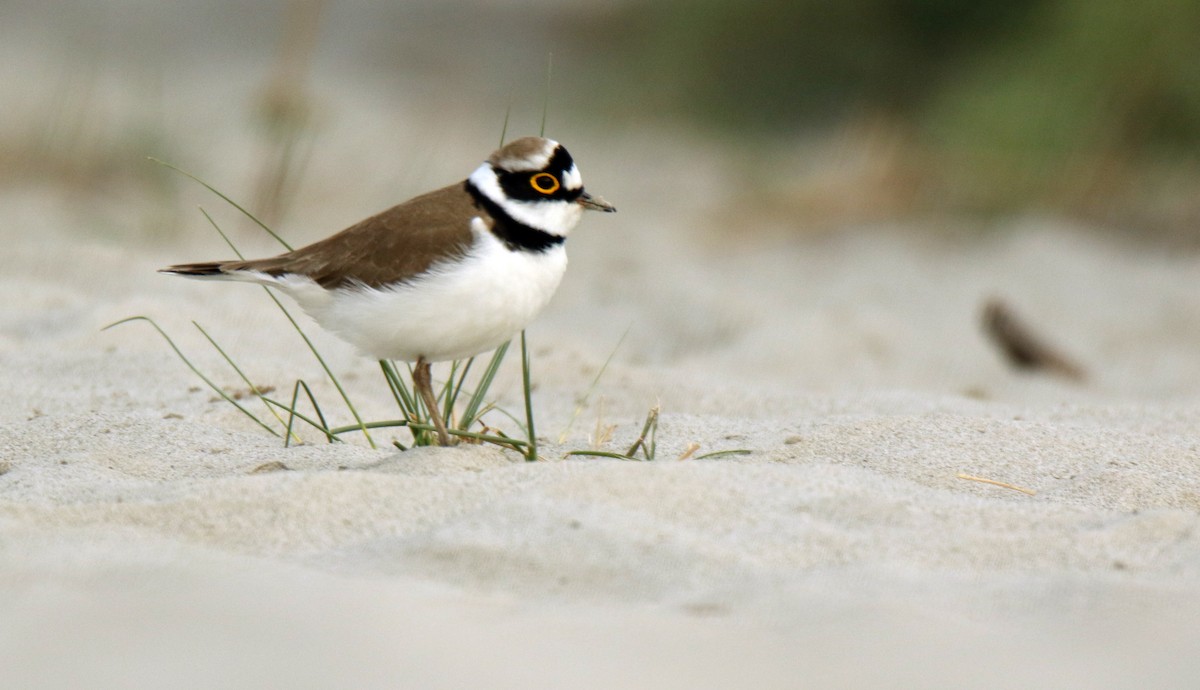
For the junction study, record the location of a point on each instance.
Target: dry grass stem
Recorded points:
(994, 482)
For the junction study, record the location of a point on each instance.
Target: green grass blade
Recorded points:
(456, 391)
(384, 424)
(227, 200)
(500, 410)
(292, 411)
(222, 234)
(722, 453)
(321, 360)
(446, 394)
(600, 454)
(562, 438)
(410, 404)
(507, 113)
(650, 428)
(245, 379)
(531, 455)
(195, 370)
(472, 411)
(312, 348)
(512, 443)
(546, 95)
(403, 396)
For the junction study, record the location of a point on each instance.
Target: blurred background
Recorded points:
(800, 116)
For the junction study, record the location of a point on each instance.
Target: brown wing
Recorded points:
(384, 249)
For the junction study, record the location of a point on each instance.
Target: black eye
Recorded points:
(545, 183)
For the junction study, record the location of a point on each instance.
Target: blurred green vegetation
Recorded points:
(774, 64)
(1083, 105)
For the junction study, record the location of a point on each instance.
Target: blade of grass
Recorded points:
(312, 348)
(221, 233)
(546, 95)
(403, 396)
(500, 410)
(195, 370)
(383, 424)
(601, 454)
(227, 200)
(595, 382)
(720, 453)
(472, 411)
(421, 437)
(649, 428)
(245, 379)
(531, 455)
(458, 387)
(292, 412)
(513, 443)
(507, 113)
(328, 372)
(446, 394)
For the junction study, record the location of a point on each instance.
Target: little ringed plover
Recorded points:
(442, 276)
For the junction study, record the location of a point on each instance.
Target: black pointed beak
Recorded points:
(595, 203)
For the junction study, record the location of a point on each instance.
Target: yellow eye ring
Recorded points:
(545, 183)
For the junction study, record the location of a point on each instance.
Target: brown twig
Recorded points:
(1021, 347)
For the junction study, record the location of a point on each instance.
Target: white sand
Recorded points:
(138, 548)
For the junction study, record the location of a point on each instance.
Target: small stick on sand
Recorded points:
(993, 482)
(1021, 347)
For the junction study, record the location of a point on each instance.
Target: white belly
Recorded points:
(455, 310)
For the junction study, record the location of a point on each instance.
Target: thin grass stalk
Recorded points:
(221, 232)
(400, 392)
(312, 348)
(446, 394)
(227, 200)
(531, 454)
(507, 113)
(514, 443)
(328, 372)
(382, 424)
(292, 416)
(409, 404)
(595, 382)
(292, 411)
(245, 379)
(195, 370)
(652, 450)
(650, 428)
(422, 436)
(458, 387)
(425, 437)
(722, 453)
(601, 454)
(546, 95)
(472, 410)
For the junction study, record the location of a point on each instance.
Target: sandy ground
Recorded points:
(139, 547)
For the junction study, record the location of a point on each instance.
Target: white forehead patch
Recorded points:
(571, 178)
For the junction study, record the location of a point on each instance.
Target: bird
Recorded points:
(443, 276)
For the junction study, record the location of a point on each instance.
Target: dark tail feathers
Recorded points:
(199, 270)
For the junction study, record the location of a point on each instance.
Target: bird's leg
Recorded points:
(423, 382)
